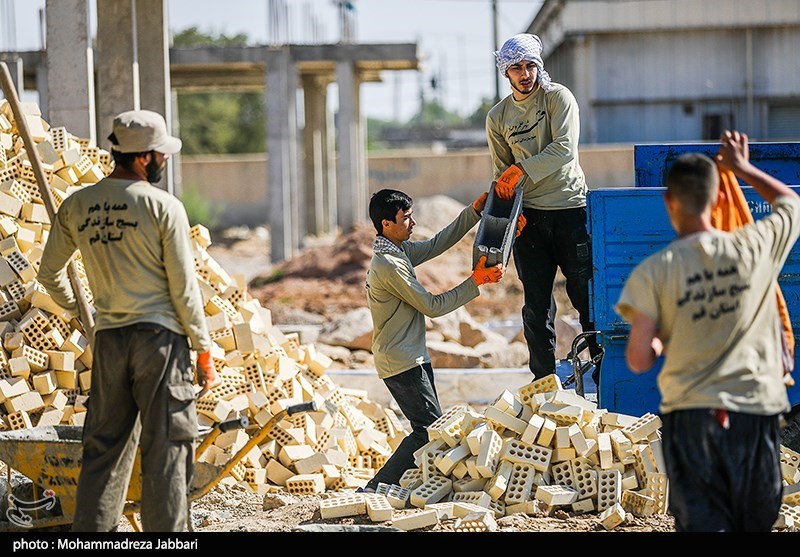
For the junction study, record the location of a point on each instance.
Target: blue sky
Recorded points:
(454, 36)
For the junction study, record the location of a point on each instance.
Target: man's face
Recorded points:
(522, 77)
(399, 230)
(155, 168)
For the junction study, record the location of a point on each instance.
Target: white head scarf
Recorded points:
(523, 47)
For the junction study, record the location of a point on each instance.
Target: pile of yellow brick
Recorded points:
(535, 451)
(45, 360)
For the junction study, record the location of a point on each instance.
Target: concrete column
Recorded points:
(315, 143)
(70, 67)
(348, 173)
(281, 115)
(117, 78)
(330, 148)
(120, 35)
(361, 161)
(152, 25)
(583, 89)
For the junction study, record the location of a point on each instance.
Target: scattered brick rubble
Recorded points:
(540, 450)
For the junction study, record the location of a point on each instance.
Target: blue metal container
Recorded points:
(651, 162)
(627, 225)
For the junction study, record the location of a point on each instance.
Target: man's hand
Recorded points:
(507, 181)
(733, 153)
(485, 275)
(521, 222)
(480, 203)
(206, 373)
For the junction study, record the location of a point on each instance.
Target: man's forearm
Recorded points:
(768, 187)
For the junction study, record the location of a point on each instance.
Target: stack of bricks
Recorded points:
(540, 449)
(789, 513)
(45, 359)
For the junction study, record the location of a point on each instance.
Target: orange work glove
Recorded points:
(485, 275)
(480, 203)
(521, 222)
(507, 181)
(206, 373)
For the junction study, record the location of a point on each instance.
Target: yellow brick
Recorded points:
(417, 520)
(45, 383)
(342, 505)
(13, 386)
(28, 402)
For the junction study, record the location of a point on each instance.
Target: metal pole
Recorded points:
(135, 46)
(496, 48)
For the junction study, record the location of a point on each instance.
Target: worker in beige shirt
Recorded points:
(134, 243)
(706, 302)
(399, 304)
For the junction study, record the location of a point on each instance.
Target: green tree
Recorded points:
(478, 118)
(224, 122)
(432, 113)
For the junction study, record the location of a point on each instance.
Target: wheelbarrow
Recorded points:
(50, 456)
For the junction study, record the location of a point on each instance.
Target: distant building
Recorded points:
(676, 70)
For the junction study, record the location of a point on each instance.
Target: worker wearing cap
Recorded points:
(134, 244)
(533, 141)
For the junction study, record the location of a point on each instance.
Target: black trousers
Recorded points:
(722, 480)
(552, 240)
(415, 394)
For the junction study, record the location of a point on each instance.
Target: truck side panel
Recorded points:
(651, 162)
(627, 225)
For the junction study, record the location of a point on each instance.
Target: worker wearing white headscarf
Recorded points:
(533, 140)
(523, 47)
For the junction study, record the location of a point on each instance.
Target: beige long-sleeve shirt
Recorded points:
(399, 303)
(541, 134)
(135, 246)
(712, 295)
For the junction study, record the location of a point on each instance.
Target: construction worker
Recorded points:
(134, 243)
(533, 141)
(399, 304)
(707, 303)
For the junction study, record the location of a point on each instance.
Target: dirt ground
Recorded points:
(234, 509)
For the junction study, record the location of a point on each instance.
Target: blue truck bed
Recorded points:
(628, 224)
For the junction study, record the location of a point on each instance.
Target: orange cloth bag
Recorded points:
(731, 212)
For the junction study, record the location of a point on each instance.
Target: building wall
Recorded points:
(236, 186)
(654, 72)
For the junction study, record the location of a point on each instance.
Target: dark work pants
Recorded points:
(722, 480)
(552, 240)
(141, 396)
(415, 394)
